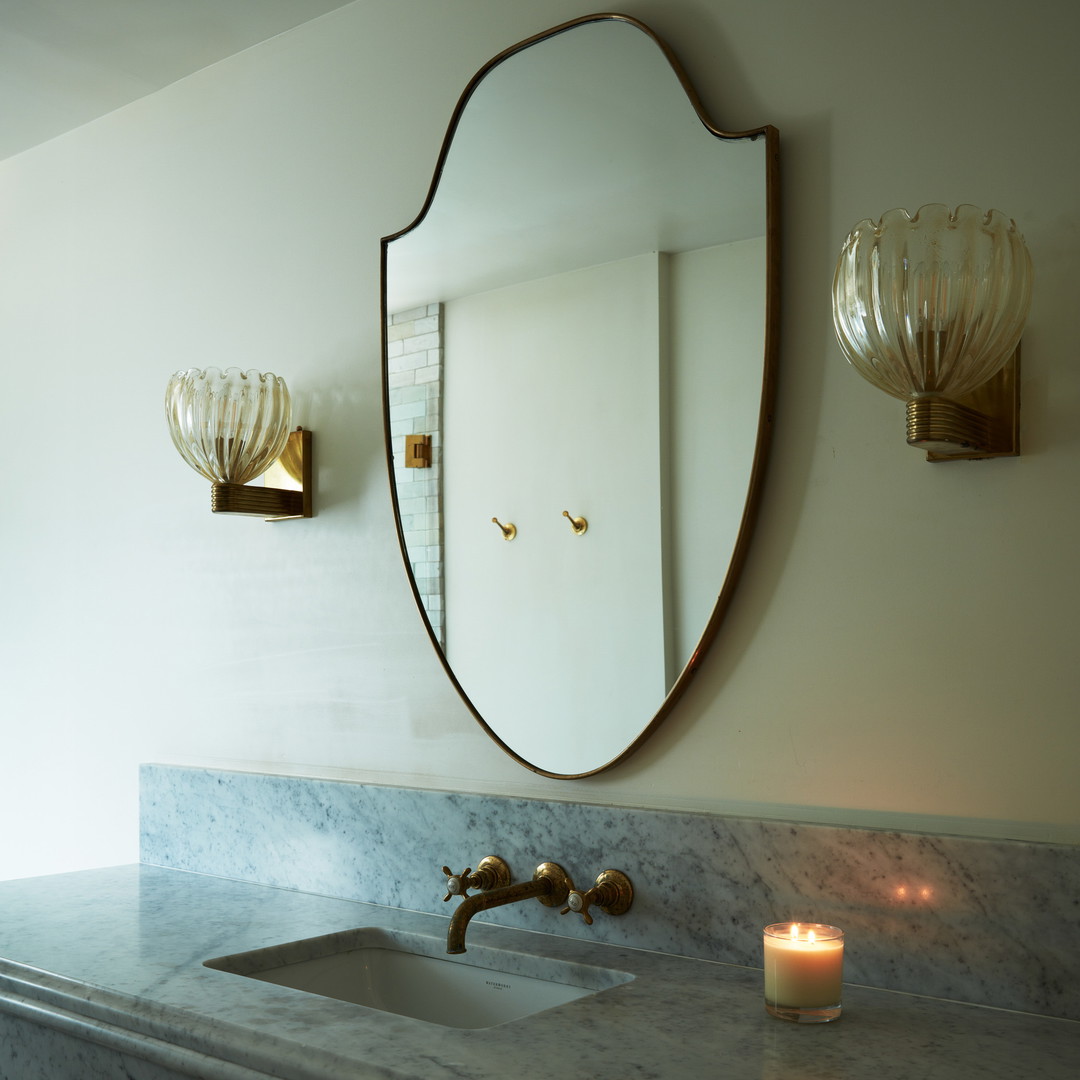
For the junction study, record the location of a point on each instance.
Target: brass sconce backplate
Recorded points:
(990, 415)
(286, 492)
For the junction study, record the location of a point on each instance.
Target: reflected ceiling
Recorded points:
(661, 206)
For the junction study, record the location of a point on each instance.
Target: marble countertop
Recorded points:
(117, 955)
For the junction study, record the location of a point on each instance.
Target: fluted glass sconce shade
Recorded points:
(930, 307)
(232, 426)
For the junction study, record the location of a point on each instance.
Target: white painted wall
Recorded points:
(902, 649)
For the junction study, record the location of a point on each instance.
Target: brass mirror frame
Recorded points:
(768, 391)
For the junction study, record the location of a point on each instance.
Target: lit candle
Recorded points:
(804, 969)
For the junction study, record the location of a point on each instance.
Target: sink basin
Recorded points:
(411, 975)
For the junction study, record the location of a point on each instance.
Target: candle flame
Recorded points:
(794, 932)
(811, 937)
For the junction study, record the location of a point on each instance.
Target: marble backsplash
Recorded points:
(995, 922)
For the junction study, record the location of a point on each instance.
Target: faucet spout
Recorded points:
(549, 885)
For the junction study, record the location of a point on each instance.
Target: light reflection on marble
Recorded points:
(973, 920)
(122, 949)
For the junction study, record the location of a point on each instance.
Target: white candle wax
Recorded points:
(804, 965)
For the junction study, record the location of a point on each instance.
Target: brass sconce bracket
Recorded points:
(287, 490)
(982, 424)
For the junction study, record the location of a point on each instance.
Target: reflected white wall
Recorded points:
(717, 328)
(552, 396)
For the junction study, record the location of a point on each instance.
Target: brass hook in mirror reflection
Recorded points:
(509, 530)
(578, 524)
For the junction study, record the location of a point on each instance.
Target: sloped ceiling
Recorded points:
(64, 63)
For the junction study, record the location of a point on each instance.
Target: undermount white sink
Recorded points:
(411, 975)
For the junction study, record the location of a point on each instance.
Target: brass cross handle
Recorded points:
(456, 884)
(491, 872)
(612, 893)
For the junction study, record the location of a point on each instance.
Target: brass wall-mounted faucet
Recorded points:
(550, 884)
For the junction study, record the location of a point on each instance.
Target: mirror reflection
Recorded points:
(577, 379)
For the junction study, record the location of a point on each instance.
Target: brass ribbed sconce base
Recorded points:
(984, 424)
(288, 489)
(256, 501)
(944, 426)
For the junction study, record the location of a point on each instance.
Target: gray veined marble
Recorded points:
(107, 967)
(991, 922)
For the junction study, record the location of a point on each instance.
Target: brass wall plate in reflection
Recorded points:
(417, 451)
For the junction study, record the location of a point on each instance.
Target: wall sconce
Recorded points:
(232, 426)
(930, 309)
